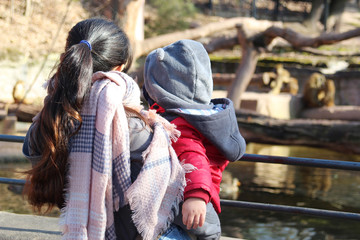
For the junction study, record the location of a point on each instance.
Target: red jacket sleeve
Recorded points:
(190, 150)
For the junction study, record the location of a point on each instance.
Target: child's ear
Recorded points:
(119, 68)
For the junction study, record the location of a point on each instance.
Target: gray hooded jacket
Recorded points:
(178, 78)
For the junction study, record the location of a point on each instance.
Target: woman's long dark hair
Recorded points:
(60, 117)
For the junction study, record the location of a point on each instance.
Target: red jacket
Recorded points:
(192, 147)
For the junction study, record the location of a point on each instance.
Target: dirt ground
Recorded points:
(32, 33)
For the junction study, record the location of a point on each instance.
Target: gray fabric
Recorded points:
(211, 230)
(30, 152)
(140, 138)
(221, 129)
(179, 75)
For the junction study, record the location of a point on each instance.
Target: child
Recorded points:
(178, 84)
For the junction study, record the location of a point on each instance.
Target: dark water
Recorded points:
(259, 182)
(296, 186)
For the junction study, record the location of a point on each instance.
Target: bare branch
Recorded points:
(298, 40)
(144, 47)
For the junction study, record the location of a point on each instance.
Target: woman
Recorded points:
(81, 143)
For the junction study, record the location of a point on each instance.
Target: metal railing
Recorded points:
(309, 162)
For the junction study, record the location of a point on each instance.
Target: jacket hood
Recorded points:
(179, 75)
(219, 125)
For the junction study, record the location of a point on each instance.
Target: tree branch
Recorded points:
(298, 40)
(149, 44)
(252, 45)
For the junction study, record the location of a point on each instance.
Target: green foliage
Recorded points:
(226, 59)
(171, 16)
(12, 54)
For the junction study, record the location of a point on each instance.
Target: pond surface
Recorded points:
(259, 182)
(296, 186)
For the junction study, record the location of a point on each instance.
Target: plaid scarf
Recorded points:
(99, 166)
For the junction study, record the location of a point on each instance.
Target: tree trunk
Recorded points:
(128, 14)
(101, 8)
(245, 70)
(28, 8)
(11, 11)
(314, 17)
(114, 10)
(336, 9)
(134, 22)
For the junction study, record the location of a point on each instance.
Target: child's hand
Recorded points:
(194, 212)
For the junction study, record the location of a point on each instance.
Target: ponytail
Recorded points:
(58, 121)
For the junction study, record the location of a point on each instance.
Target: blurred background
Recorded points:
(291, 68)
